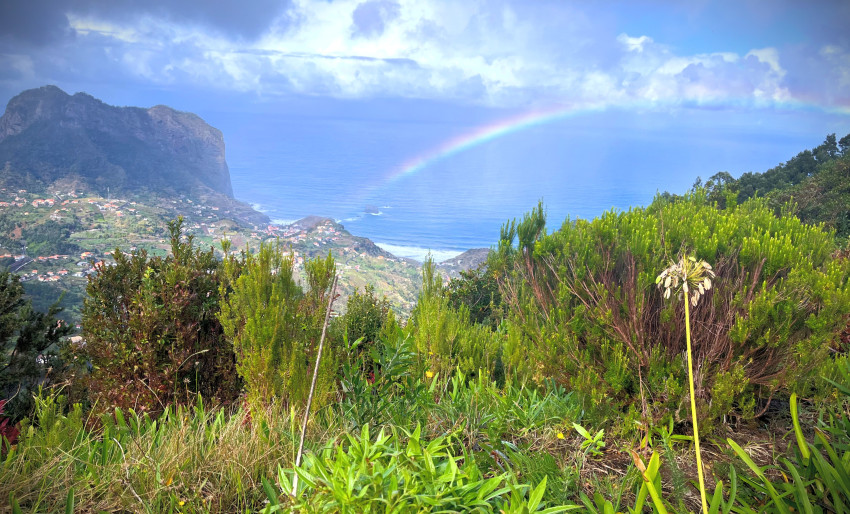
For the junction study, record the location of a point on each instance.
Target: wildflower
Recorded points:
(560, 435)
(181, 503)
(696, 278)
(429, 374)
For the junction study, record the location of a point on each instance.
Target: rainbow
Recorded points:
(481, 135)
(503, 127)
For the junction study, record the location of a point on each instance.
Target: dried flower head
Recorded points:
(694, 275)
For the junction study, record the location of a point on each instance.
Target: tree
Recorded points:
(844, 143)
(31, 342)
(366, 317)
(721, 188)
(828, 150)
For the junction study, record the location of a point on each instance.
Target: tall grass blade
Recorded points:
(69, 502)
(798, 432)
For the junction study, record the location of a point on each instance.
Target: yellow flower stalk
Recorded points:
(695, 277)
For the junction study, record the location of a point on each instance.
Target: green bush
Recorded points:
(584, 308)
(445, 337)
(275, 327)
(478, 290)
(368, 320)
(151, 332)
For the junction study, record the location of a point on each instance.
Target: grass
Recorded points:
(188, 460)
(500, 442)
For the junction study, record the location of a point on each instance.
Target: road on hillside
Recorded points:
(20, 264)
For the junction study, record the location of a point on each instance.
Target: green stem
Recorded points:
(694, 404)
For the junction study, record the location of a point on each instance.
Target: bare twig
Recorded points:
(313, 386)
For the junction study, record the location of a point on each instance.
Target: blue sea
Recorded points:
(291, 165)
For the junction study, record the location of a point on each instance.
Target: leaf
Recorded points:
(16, 509)
(798, 432)
(536, 495)
(716, 499)
(580, 429)
(270, 492)
(774, 495)
(69, 502)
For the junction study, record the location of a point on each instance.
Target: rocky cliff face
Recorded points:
(46, 135)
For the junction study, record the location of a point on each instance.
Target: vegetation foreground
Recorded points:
(686, 356)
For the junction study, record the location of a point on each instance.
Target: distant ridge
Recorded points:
(47, 135)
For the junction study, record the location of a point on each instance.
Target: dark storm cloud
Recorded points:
(33, 22)
(244, 19)
(43, 22)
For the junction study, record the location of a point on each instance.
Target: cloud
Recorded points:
(369, 18)
(33, 22)
(634, 44)
(487, 52)
(247, 20)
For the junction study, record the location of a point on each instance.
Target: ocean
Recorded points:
(356, 169)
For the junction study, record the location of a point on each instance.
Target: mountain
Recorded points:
(469, 259)
(47, 135)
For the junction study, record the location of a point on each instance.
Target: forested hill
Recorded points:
(47, 135)
(817, 180)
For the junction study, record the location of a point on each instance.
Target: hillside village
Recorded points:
(94, 227)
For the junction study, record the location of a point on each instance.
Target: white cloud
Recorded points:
(634, 44)
(768, 56)
(486, 52)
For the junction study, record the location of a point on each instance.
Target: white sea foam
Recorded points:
(281, 221)
(419, 253)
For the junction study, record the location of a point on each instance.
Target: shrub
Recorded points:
(369, 320)
(151, 330)
(445, 337)
(478, 290)
(583, 308)
(275, 327)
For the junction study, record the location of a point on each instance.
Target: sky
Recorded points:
(742, 73)
(487, 53)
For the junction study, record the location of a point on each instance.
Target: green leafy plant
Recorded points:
(391, 393)
(592, 444)
(398, 471)
(818, 480)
